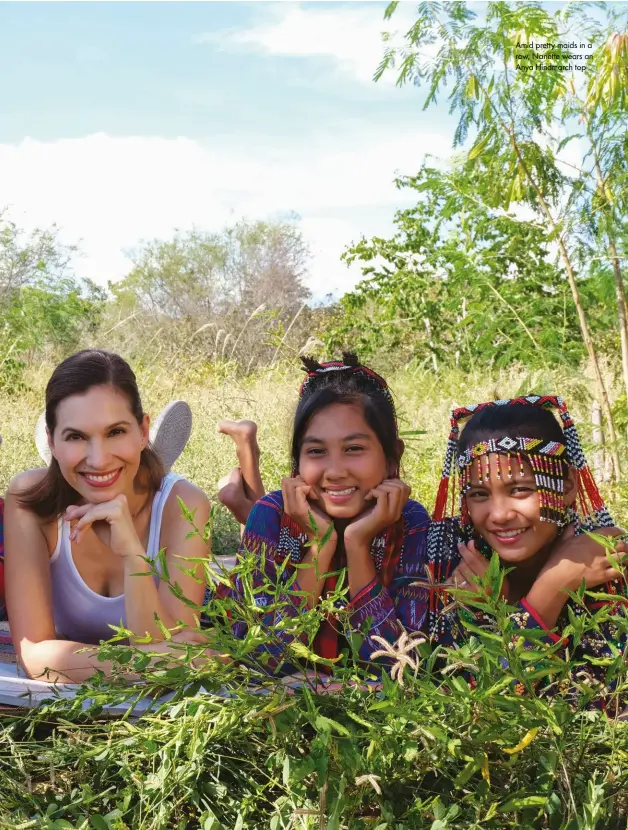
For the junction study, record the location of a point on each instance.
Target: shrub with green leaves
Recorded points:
(234, 747)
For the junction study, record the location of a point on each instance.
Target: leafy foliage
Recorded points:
(462, 282)
(43, 310)
(234, 295)
(428, 751)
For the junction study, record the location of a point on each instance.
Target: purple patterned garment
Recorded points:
(386, 607)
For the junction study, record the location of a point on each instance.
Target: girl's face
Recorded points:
(505, 512)
(97, 443)
(342, 459)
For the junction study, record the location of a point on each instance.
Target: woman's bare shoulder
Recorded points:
(24, 481)
(192, 497)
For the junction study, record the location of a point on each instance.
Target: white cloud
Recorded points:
(349, 36)
(112, 192)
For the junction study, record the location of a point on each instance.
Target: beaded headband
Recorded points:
(545, 458)
(594, 512)
(318, 372)
(349, 364)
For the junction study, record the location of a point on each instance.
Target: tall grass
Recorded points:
(268, 396)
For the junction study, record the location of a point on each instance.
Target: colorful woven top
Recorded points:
(384, 608)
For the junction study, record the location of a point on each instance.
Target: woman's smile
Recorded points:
(101, 479)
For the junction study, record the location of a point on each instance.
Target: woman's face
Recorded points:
(342, 459)
(505, 511)
(97, 443)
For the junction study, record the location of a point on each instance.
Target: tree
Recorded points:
(600, 192)
(234, 294)
(462, 283)
(512, 114)
(29, 259)
(53, 318)
(44, 309)
(204, 276)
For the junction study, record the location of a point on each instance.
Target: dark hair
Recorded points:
(513, 420)
(351, 384)
(75, 376)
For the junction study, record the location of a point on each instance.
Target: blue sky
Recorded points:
(126, 121)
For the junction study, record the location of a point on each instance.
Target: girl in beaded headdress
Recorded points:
(515, 481)
(346, 452)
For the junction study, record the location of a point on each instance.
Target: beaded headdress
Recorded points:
(548, 459)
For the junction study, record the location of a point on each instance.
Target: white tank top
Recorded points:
(80, 613)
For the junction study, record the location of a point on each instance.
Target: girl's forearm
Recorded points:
(311, 577)
(360, 568)
(547, 600)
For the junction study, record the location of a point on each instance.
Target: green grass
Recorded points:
(269, 398)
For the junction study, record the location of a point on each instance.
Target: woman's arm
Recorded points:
(67, 661)
(143, 599)
(29, 599)
(27, 574)
(29, 596)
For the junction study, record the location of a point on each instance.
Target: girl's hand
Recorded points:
(390, 499)
(111, 521)
(471, 569)
(575, 558)
(297, 504)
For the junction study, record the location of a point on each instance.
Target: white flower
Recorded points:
(399, 652)
(373, 780)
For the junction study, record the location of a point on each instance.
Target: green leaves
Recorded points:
(454, 258)
(479, 146)
(518, 121)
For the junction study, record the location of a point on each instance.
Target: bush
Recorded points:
(430, 750)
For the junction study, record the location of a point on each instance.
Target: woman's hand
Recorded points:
(472, 567)
(390, 499)
(111, 521)
(297, 504)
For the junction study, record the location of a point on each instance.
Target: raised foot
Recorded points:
(241, 431)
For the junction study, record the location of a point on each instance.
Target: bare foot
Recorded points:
(241, 431)
(244, 434)
(232, 494)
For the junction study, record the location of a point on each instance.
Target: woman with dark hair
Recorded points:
(346, 453)
(81, 534)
